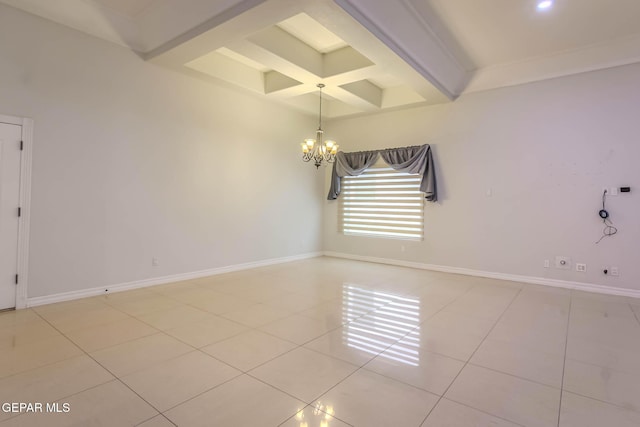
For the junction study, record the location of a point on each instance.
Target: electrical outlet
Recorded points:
(581, 267)
(546, 263)
(563, 262)
(402, 248)
(154, 262)
(614, 271)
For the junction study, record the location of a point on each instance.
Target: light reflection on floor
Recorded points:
(316, 415)
(386, 318)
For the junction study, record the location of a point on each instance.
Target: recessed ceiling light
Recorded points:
(545, 4)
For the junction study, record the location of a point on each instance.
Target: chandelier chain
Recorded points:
(320, 115)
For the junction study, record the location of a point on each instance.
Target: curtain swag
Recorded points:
(416, 159)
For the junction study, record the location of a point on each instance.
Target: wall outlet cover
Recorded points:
(563, 262)
(581, 267)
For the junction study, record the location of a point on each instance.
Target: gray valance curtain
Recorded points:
(417, 159)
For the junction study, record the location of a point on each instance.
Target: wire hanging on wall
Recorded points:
(609, 230)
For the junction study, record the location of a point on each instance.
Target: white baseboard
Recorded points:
(587, 287)
(84, 293)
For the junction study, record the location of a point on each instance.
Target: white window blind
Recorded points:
(384, 203)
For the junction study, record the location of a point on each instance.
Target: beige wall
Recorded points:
(132, 161)
(545, 150)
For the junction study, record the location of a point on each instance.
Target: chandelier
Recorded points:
(318, 149)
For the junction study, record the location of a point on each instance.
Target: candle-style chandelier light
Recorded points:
(318, 149)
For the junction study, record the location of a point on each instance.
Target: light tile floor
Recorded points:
(327, 342)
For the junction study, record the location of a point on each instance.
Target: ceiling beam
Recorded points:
(294, 66)
(238, 21)
(290, 92)
(342, 61)
(354, 99)
(365, 90)
(414, 41)
(223, 67)
(291, 49)
(275, 82)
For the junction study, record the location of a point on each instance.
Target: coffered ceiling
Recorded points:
(372, 55)
(287, 59)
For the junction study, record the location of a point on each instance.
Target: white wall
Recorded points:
(545, 150)
(133, 161)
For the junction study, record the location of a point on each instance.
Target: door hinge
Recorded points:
(16, 279)
(19, 211)
(21, 145)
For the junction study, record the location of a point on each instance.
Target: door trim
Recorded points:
(25, 204)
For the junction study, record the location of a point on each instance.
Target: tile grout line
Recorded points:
(159, 415)
(593, 364)
(197, 349)
(564, 362)
(236, 377)
(474, 352)
(413, 330)
(106, 369)
(307, 404)
(529, 380)
(201, 393)
(616, 405)
(106, 304)
(41, 366)
(479, 410)
(242, 372)
(86, 353)
(250, 328)
(385, 349)
(366, 363)
(321, 335)
(311, 406)
(358, 367)
(296, 344)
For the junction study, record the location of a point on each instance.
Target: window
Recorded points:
(382, 203)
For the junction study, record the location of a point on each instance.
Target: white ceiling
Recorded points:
(504, 31)
(130, 8)
(372, 55)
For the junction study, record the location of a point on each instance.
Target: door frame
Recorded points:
(25, 205)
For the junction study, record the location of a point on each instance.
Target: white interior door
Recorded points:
(9, 202)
